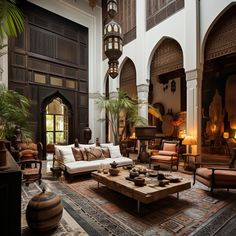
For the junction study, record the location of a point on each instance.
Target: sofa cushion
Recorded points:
(78, 155)
(106, 152)
(114, 151)
(167, 153)
(169, 147)
(163, 159)
(87, 145)
(106, 145)
(223, 177)
(87, 166)
(94, 153)
(28, 153)
(64, 153)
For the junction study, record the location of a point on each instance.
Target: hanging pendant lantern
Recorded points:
(112, 8)
(112, 39)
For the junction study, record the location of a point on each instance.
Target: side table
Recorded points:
(186, 157)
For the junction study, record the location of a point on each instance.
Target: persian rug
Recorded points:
(101, 211)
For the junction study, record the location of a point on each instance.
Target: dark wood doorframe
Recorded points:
(44, 104)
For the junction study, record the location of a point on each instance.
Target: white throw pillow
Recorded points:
(87, 145)
(114, 151)
(106, 145)
(66, 154)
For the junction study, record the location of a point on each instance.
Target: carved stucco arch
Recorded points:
(220, 37)
(168, 48)
(127, 78)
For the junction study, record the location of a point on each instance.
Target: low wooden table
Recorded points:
(148, 193)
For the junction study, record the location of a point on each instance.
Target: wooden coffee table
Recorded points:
(146, 194)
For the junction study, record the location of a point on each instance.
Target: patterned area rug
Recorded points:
(105, 212)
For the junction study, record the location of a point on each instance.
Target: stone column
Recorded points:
(194, 105)
(143, 90)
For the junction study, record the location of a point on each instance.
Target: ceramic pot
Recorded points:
(44, 211)
(138, 181)
(114, 171)
(133, 174)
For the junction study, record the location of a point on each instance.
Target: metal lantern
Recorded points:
(112, 40)
(112, 8)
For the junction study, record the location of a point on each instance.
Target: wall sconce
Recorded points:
(165, 87)
(173, 86)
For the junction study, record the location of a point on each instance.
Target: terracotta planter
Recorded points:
(44, 211)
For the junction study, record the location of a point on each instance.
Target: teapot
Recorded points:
(133, 173)
(113, 164)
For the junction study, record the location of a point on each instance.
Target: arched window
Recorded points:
(56, 122)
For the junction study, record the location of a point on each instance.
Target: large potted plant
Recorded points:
(114, 108)
(14, 111)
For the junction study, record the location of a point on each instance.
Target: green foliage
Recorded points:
(14, 110)
(11, 20)
(114, 107)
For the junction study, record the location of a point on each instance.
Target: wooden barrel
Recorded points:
(44, 211)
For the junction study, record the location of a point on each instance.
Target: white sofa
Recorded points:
(65, 160)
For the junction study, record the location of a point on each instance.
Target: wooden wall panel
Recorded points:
(51, 47)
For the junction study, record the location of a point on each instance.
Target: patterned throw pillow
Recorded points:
(94, 153)
(78, 155)
(106, 152)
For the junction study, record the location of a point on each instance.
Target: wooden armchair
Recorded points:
(216, 177)
(168, 155)
(30, 161)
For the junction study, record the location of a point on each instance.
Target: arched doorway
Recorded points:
(167, 89)
(219, 86)
(128, 85)
(56, 122)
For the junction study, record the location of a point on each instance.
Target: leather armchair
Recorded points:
(30, 161)
(168, 155)
(216, 177)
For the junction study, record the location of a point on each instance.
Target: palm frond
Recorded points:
(11, 19)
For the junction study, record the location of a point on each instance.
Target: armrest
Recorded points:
(227, 169)
(57, 160)
(24, 163)
(29, 161)
(214, 164)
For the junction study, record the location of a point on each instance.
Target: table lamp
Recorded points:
(189, 141)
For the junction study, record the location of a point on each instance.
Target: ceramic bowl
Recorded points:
(138, 181)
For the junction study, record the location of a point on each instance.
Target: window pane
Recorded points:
(49, 123)
(60, 138)
(50, 137)
(59, 123)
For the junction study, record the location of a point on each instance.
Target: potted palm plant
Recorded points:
(14, 111)
(114, 107)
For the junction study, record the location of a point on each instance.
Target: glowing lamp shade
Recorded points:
(226, 135)
(189, 141)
